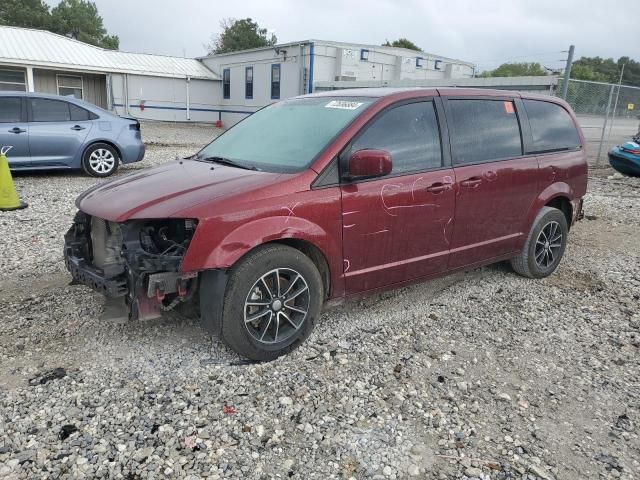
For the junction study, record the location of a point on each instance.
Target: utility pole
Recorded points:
(567, 72)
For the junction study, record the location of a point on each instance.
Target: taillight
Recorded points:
(633, 152)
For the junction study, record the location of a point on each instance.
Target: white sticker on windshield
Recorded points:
(343, 104)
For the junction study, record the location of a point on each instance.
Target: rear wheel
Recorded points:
(273, 299)
(100, 160)
(545, 245)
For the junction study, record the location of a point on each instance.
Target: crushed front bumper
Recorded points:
(118, 261)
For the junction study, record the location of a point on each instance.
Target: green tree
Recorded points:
(585, 72)
(608, 70)
(80, 19)
(605, 68)
(402, 43)
(516, 70)
(25, 13)
(240, 35)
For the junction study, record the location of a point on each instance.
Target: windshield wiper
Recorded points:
(227, 161)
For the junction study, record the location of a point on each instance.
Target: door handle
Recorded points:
(17, 130)
(472, 182)
(77, 127)
(438, 187)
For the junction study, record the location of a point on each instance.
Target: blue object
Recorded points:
(63, 132)
(626, 162)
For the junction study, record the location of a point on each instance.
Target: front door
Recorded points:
(496, 186)
(14, 131)
(55, 137)
(398, 227)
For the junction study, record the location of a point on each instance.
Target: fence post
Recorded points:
(604, 125)
(567, 73)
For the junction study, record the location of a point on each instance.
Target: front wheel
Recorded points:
(100, 160)
(545, 245)
(273, 299)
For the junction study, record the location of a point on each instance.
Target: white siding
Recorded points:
(237, 106)
(165, 98)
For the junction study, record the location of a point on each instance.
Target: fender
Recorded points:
(249, 235)
(239, 242)
(555, 190)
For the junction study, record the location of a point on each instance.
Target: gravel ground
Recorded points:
(483, 375)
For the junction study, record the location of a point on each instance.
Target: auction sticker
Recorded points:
(343, 104)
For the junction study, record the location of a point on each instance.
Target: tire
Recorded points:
(100, 160)
(279, 326)
(539, 258)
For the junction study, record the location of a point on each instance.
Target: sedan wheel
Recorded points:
(100, 160)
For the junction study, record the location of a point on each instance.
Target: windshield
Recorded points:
(286, 136)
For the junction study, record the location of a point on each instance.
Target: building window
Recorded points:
(436, 64)
(226, 83)
(70, 85)
(418, 62)
(364, 54)
(248, 82)
(275, 81)
(12, 80)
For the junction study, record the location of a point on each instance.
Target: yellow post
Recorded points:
(9, 199)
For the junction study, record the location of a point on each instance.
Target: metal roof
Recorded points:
(25, 46)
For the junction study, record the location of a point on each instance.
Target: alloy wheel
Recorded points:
(276, 306)
(102, 160)
(548, 244)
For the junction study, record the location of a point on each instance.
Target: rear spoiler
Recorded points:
(135, 126)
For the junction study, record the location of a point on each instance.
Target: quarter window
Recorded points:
(226, 83)
(79, 113)
(483, 130)
(70, 85)
(409, 133)
(551, 126)
(275, 81)
(10, 110)
(45, 110)
(248, 82)
(12, 80)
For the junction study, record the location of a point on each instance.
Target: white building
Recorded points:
(254, 78)
(225, 87)
(138, 85)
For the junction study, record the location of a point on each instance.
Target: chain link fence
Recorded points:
(608, 113)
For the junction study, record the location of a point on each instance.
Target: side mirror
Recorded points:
(369, 164)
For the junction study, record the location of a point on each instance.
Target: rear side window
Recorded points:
(45, 110)
(79, 113)
(409, 133)
(483, 130)
(10, 110)
(551, 126)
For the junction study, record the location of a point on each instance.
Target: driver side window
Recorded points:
(409, 133)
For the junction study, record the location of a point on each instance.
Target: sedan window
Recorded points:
(79, 113)
(45, 110)
(9, 109)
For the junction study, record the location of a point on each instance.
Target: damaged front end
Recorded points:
(137, 260)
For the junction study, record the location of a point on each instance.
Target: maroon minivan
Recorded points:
(330, 195)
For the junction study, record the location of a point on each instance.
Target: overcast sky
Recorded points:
(487, 32)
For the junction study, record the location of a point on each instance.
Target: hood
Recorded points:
(168, 189)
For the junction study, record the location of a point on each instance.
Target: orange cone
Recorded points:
(9, 199)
